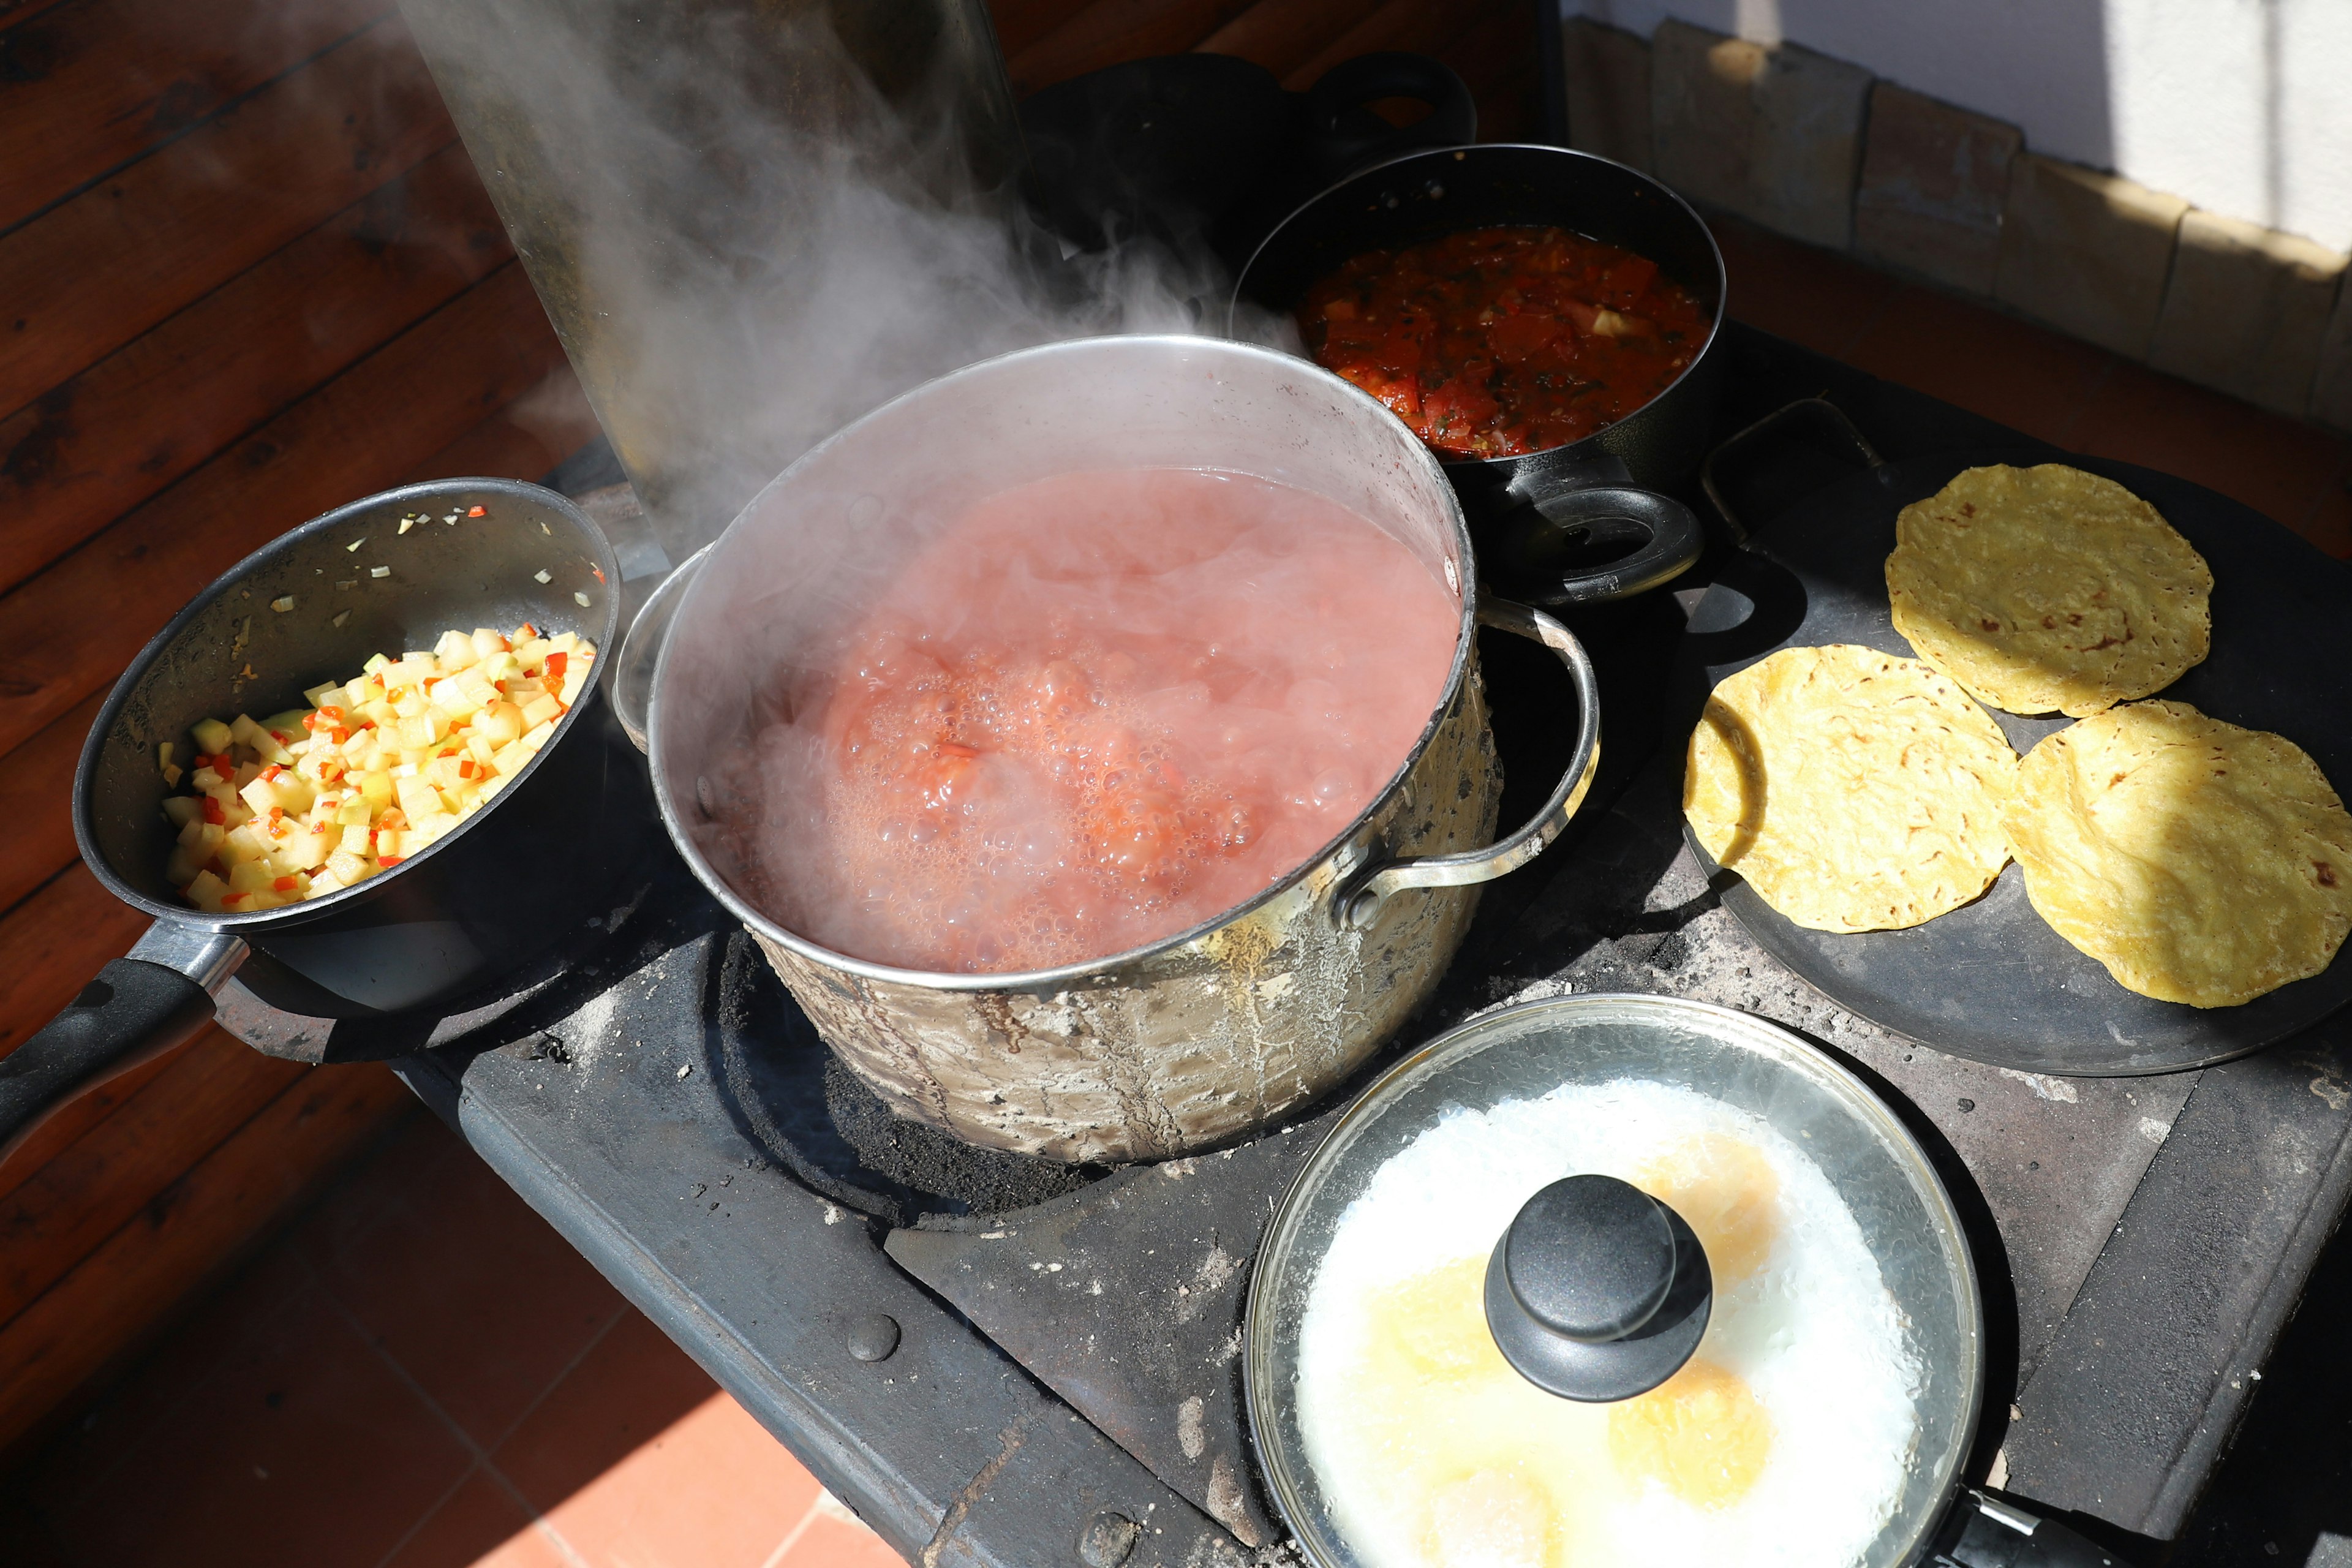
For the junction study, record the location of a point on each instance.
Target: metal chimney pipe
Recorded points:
(660, 166)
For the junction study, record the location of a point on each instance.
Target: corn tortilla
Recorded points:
(1855, 790)
(2200, 862)
(2048, 589)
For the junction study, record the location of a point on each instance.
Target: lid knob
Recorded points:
(1598, 1291)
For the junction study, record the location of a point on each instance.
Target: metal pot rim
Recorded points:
(1866, 1105)
(1722, 273)
(1094, 970)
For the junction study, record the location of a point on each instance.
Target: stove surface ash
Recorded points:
(814, 1116)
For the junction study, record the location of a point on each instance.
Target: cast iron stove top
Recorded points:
(997, 1360)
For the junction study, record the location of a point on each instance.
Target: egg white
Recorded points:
(1813, 1333)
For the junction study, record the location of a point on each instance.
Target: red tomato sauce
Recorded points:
(1496, 342)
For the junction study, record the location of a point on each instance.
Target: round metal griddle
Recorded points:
(1991, 981)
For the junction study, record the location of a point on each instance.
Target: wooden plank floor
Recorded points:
(248, 273)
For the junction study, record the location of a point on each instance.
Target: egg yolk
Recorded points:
(1436, 1322)
(1491, 1518)
(1728, 1192)
(1702, 1434)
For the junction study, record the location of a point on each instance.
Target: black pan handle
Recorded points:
(134, 1011)
(1534, 545)
(1337, 145)
(1824, 420)
(1985, 1531)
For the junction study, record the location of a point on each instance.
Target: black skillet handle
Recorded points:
(1534, 547)
(134, 1011)
(1338, 141)
(1985, 1531)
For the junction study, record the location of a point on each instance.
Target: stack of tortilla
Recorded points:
(2198, 861)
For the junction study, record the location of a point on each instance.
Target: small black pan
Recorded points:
(1571, 524)
(492, 893)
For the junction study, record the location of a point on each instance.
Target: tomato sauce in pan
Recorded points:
(1496, 342)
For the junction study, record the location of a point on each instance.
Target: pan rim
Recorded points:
(1714, 249)
(288, 916)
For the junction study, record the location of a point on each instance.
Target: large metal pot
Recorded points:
(1205, 1036)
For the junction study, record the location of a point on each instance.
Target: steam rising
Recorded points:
(753, 223)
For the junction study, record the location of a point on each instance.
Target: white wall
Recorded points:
(2241, 107)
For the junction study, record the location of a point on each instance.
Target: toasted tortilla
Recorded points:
(1853, 790)
(2200, 862)
(2048, 589)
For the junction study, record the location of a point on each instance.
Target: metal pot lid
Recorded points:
(1614, 1279)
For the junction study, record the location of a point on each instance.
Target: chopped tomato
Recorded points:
(1498, 341)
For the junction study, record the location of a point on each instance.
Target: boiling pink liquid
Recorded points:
(1096, 711)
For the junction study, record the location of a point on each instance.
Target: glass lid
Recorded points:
(1614, 1279)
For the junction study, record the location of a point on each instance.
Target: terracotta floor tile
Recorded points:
(1984, 361)
(242, 1320)
(834, 1539)
(1816, 298)
(303, 1447)
(478, 1526)
(2275, 464)
(627, 1391)
(712, 1490)
(472, 1292)
(409, 1155)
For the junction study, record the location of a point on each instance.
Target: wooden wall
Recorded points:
(247, 273)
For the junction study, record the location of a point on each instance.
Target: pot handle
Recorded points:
(1526, 554)
(1333, 152)
(1360, 897)
(138, 1008)
(1985, 1531)
(633, 672)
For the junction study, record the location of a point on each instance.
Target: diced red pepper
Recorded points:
(270, 773)
(477, 511)
(466, 768)
(553, 668)
(275, 813)
(231, 898)
(213, 813)
(338, 734)
(389, 860)
(527, 630)
(286, 884)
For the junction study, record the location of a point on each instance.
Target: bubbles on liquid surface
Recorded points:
(1094, 711)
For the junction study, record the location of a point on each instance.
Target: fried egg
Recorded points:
(1785, 1439)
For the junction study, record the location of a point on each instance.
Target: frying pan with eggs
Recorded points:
(1625, 1280)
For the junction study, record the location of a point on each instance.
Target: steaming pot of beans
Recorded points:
(1094, 741)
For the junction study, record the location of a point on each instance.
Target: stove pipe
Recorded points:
(660, 165)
